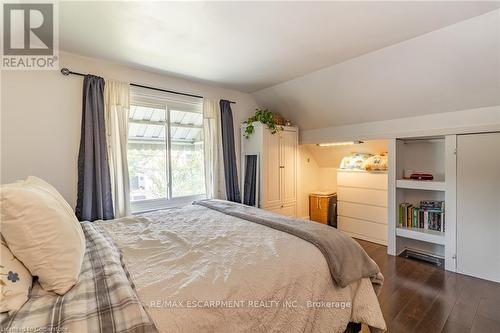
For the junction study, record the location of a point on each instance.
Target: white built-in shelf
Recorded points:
(432, 155)
(430, 185)
(425, 235)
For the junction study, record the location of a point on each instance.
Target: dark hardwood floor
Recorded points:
(417, 297)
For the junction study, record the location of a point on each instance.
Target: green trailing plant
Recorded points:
(264, 116)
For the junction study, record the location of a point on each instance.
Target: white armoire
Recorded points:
(277, 171)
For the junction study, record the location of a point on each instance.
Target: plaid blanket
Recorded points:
(103, 300)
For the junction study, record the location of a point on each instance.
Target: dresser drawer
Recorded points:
(363, 212)
(371, 180)
(370, 231)
(362, 195)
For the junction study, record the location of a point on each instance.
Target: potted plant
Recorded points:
(264, 116)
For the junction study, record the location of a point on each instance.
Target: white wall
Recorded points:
(41, 114)
(308, 180)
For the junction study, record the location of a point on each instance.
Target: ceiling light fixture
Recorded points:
(345, 143)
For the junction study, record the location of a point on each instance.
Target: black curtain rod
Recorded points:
(67, 72)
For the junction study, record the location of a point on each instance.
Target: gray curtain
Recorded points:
(94, 200)
(250, 185)
(228, 152)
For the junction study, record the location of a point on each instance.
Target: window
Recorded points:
(165, 150)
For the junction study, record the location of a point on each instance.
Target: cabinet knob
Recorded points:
(282, 166)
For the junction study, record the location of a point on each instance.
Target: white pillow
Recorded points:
(42, 231)
(15, 281)
(43, 185)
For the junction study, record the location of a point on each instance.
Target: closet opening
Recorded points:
(345, 186)
(419, 196)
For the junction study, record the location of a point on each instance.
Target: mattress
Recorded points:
(198, 270)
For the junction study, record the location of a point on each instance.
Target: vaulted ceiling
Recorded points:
(451, 69)
(248, 45)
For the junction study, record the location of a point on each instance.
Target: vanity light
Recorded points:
(345, 143)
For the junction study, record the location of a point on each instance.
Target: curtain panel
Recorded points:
(94, 198)
(214, 172)
(229, 153)
(116, 111)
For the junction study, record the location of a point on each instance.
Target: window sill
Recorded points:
(145, 206)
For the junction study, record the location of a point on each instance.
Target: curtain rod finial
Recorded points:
(65, 71)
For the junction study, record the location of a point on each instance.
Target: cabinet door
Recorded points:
(318, 208)
(314, 212)
(271, 194)
(478, 205)
(289, 210)
(288, 166)
(286, 210)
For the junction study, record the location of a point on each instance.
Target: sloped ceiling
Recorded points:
(330, 157)
(454, 68)
(248, 45)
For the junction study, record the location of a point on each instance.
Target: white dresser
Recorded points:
(362, 204)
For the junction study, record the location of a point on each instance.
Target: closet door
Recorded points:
(478, 205)
(288, 164)
(271, 194)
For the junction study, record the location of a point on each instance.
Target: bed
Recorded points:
(203, 269)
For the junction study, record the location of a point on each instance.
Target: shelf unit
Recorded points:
(429, 236)
(421, 184)
(435, 155)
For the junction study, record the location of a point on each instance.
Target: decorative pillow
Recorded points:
(43, 185)
(376, 163)
(15, 281)
(354, 161)
(42, 231)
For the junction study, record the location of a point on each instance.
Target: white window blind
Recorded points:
(165, 150)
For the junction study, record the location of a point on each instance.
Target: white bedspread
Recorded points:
(186, 261)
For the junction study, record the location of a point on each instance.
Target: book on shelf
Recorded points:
(429, 215)
(414, 221)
